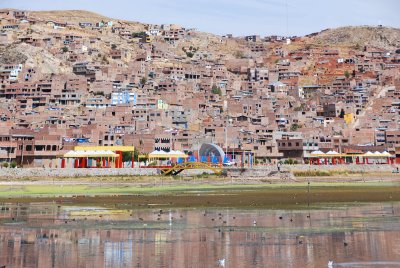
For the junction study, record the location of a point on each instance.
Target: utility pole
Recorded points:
(226, 135)
(22, 153)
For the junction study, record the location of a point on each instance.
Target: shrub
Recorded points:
(5, 165)
(312, 173)
(294, 127)
(289, 161)
(138, 35)
(13, 164)
(216, 90)
(153, 163)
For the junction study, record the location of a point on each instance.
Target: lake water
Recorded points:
(53, 235)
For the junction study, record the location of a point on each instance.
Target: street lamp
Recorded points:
(228, 121)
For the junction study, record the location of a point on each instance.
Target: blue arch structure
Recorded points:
(211, 151)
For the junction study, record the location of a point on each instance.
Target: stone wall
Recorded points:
(67, 172)
(348, 168)
(287, 170)
(15, 173)
(264, 171)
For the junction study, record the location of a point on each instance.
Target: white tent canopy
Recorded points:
(171, 154)
(385, 153)
(369, 153)
(332, 153)
(318, 152)
(89, 153)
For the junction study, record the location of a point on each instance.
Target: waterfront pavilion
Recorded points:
(165, 159)
(97, 156)
(335, 158)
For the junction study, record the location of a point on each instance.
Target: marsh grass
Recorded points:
(97, 189)
(275, 196)
(329, 173)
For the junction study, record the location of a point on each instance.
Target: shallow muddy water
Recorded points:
(56, 235)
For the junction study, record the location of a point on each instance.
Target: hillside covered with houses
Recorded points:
(71, 78)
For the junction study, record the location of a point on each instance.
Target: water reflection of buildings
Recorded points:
(195, 240)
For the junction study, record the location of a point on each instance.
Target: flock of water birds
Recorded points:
(223, 262)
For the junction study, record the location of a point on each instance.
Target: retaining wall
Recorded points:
(349, 168)
(67, 172)
(263, 171)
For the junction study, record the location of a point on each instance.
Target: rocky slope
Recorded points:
(380, 37)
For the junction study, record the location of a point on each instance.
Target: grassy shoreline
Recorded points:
(294, 194)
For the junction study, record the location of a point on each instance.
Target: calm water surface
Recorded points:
(53, 235)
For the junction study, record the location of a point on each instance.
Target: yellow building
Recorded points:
(348, 118)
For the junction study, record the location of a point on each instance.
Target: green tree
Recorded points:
(127, 156)
(113, 46)
(139, 34)
(289, 161)
(295, 127)
(216, 90)
(347, 74)
(342, 113)
(64, 49)
(143, 81)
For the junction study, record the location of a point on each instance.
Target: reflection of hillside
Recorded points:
(193, 238)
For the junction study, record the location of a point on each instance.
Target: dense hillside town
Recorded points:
(72, 78)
